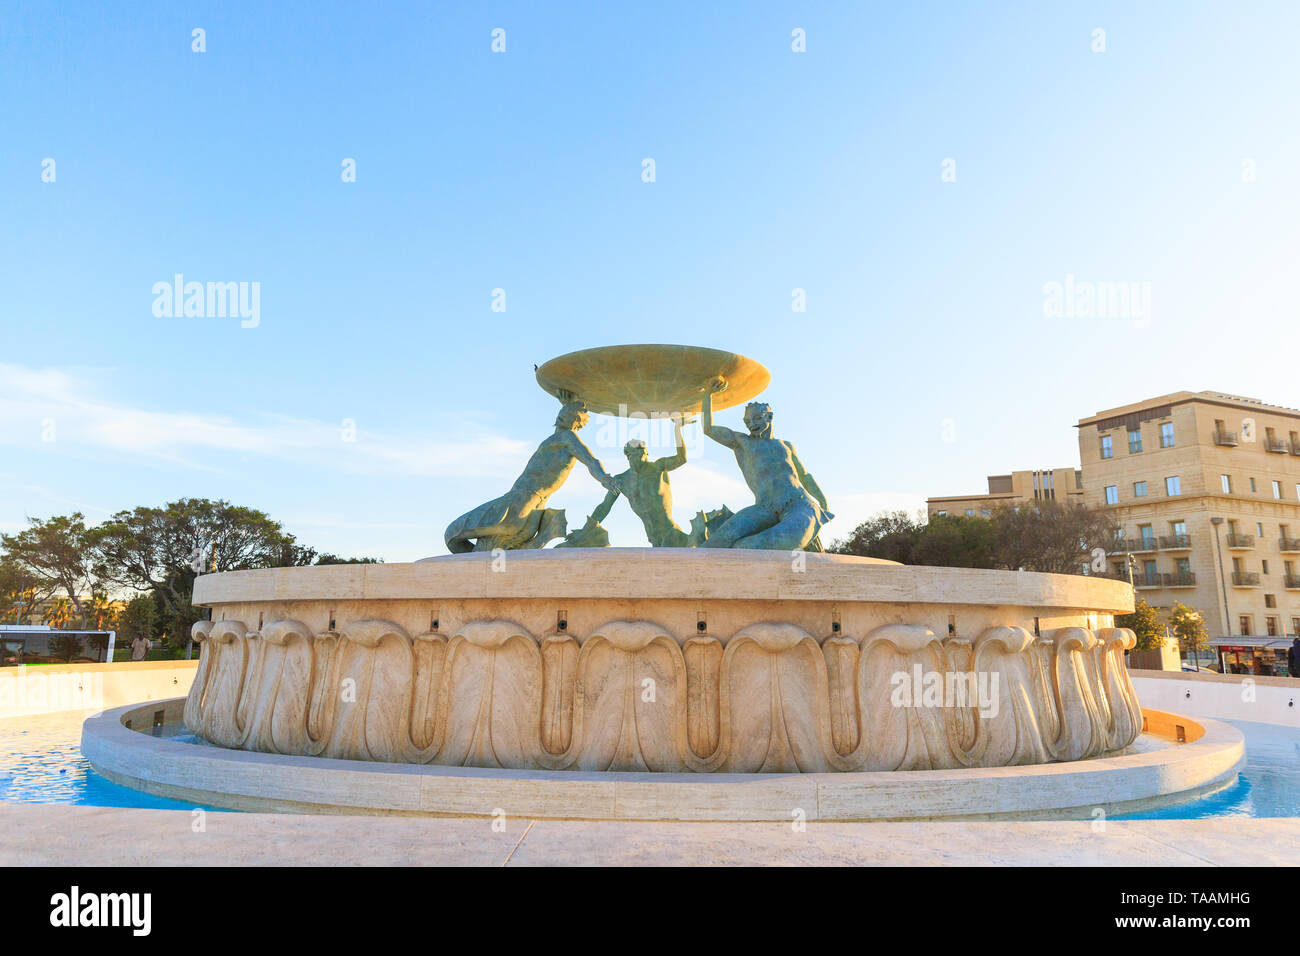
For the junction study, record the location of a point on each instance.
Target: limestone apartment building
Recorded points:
(1206, 490)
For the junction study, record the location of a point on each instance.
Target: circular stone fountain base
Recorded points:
(1156, 771)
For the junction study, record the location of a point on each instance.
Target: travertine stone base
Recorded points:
(1156, 773)
(636, 674)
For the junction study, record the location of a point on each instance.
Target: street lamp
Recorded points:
(1223, 581)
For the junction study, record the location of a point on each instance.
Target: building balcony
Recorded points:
(1245, 579)
(1291, 582)
(1181, 579)
(1277, 446)
(1151, 579)
(1288, 545)
(1240, 542)
(1175, 542)
(1225, 438)
(1295, 447)
(1132, 546)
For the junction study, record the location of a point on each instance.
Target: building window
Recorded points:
(1277, 489)
(1226, 481)
(1180, 527)
(1270, 622)
(1146, 534)
(942, 514)
(970, 512)
(1243, 623)
(1173, 486)
(1112, 494)
(984, 512)
(1252, 485)
(1270, 600)
(1134, 442)
(1259, 529)
(1167, 435)
(1107, 451)
(1265, 565)
(1139, 489)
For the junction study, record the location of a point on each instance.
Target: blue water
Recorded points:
(1268, 786)
(41, 762)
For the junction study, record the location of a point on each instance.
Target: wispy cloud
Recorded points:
(67, 407)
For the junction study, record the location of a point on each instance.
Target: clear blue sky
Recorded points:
(775, 170)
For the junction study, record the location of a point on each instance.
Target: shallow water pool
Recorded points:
(41, 762)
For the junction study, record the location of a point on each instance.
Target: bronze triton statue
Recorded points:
(646, 488)
(654, 381)
(520, 518)
(789, 509)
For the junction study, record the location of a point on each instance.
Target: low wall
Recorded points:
(1268, 700)
(51, 688)
(1155, 774)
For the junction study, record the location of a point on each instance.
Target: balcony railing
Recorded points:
(1292, 582)
(1175, 542)
(1181, 579)
(1288, 544)
(1149, 579)
(1277, 446)
(1225, 438)
(1132, 546)
(1236, 540)
(1245, 579)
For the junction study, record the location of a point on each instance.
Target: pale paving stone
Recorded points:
(43, 834)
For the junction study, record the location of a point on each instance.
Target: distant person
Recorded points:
(1257, 666)
(1293, 657)
(139, 648)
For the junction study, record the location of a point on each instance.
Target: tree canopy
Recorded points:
(1037, 536)
(67, 569)
(1145, 623)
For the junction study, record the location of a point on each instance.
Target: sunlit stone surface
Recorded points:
(665, 660)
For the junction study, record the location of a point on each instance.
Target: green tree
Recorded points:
(138, 619)
(21, 592)
(956, 541)
(1189, 624)
(891, 535)
(1145, 623)
(151, 550)
(1037, 536)
(57, 554)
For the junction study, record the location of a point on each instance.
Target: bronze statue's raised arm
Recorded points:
(718, 433)
(677, 459)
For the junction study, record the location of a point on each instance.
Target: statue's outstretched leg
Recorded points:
(744, 523)
(797, 528)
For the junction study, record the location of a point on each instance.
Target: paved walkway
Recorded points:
(36, 834)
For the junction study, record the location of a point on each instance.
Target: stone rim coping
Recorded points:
(115, 667)
(1213, 677)
(257, 781)
(666, 573)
